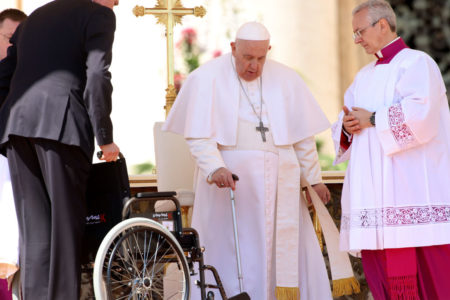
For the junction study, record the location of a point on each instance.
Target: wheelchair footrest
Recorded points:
(241, 296)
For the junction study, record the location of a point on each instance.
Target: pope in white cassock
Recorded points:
(244, 114)
(395, 129)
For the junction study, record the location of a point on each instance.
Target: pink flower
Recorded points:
(217, 53)
(178, 79)
(189, 35)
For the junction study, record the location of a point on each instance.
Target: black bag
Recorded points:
(108, 188)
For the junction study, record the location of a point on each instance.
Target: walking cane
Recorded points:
(242, 295)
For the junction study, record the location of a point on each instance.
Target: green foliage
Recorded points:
(326, 163)
(326, 160)
(143, 168)
(192, 63)
(319, 145)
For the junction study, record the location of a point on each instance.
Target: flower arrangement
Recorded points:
(189, 49)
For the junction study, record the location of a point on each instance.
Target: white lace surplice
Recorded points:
(397, 187)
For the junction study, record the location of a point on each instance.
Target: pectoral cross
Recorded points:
(262, 130)
(169, 13)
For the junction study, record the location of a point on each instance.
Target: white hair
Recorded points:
(377, 10)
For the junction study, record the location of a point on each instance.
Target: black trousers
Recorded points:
(49, 184)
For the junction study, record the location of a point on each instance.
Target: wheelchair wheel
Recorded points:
(140, 259)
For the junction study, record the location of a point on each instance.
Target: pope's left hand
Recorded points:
(323, 192)
(363, 116)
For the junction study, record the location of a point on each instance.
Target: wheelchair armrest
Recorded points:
(155, 194)
(153, 197)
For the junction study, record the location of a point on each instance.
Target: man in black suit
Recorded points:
(55, 96)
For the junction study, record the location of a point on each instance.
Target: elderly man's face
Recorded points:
(7, 29)
(370, 36)
(250, 57)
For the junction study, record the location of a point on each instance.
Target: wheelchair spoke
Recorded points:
(142, 263)
(147, 248)
(133, 257)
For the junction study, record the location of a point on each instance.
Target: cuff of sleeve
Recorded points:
(346, 140)
(311, 181)
(104, 137)
(209, 178)
(105, 141)
(384, 133)
(337, 135)
(316, 182)
(314, 177)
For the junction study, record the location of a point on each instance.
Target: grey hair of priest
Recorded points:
(377, 10)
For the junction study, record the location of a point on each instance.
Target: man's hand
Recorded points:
(363, 116)
(350, 122)
(110, 152)
(222, 178)
(322, 191)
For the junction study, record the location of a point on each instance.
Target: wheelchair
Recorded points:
(150, 256)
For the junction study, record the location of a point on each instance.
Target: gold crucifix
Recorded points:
(169, 13)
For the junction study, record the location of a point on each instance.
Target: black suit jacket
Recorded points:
(55, 83)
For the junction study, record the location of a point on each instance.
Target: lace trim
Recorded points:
(401, 132)
(397, 216)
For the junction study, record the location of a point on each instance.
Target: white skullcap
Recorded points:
(253, 31)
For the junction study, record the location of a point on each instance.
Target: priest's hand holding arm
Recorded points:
(350, 122)
(363, 116)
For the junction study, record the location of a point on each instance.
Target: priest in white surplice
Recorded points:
(245, 114)
(395, 129)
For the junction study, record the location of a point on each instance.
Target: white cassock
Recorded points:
(397, 187)
(214, 115)
(9, 228)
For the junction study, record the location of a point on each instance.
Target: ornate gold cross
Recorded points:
(169, 13)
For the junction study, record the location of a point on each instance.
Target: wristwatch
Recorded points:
(372, 119)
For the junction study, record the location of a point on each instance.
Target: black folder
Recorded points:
(108, 188)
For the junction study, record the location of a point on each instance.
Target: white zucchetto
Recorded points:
(253, 31)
